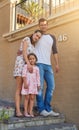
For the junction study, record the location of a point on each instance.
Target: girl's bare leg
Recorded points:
(31, 103)
(19, 82)
(26, 100)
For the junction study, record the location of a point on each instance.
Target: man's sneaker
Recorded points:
(52, 113)
(44, 113)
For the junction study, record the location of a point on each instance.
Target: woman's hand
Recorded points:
(19, 52)
(30, 68)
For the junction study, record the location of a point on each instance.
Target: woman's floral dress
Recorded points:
(19, 63)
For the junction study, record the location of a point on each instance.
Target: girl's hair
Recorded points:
(32, 54)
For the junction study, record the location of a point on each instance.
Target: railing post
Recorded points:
(12, 16)
(50, 7)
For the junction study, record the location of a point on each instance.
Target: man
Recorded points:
(44, 48)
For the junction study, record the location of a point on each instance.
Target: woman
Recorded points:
(27, 46)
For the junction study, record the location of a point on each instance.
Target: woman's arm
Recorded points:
(25, 46)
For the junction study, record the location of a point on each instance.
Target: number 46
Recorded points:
(62, 38)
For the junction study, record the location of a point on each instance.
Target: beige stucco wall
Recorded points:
(4, 51)
(66, 95)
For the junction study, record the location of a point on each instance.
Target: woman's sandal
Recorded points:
(19, 115)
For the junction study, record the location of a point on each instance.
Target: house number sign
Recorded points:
(62, 37)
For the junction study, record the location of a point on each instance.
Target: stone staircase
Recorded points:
(32, 123)
(37, 123)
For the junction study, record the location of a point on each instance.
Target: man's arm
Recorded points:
(55, 53)
(56, 62)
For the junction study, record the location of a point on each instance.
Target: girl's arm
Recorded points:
(25, 82)
(38, 78)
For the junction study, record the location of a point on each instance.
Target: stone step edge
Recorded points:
(36, 118)
(28, 122)
(61, 126)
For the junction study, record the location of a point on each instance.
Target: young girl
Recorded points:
(31, 85)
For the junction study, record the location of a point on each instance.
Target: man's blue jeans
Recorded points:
(46, 73)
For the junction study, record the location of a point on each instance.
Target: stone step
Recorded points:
(15, 122)
(36, 123)
(61, 126)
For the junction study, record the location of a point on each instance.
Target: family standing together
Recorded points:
(32, 68)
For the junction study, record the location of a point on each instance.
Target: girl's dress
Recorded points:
(32, 79)
(19, 63)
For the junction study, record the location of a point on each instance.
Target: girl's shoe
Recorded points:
(26, 115)
(31, 115)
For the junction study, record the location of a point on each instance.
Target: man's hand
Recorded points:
(57, 68)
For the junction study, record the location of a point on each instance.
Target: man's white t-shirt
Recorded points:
(43, 49)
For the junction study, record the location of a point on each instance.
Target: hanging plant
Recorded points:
(32, 9)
